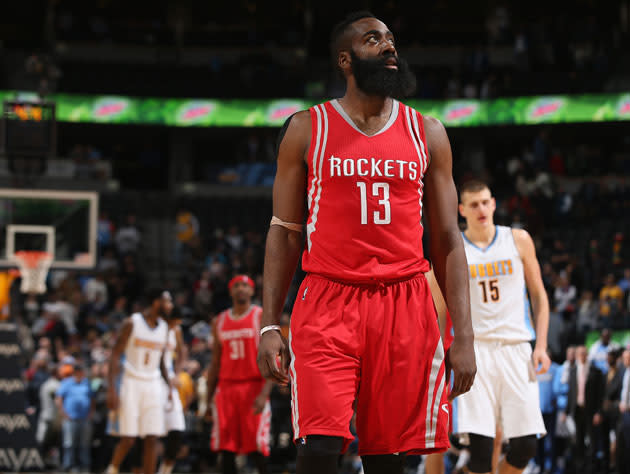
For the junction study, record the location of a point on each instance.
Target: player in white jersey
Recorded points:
(174, 421)
(503, 271)
(140, 404)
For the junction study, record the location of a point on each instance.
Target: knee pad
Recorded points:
(319, 445)
(480, 453)
(384, 464)
(172, 444)
(521, 450)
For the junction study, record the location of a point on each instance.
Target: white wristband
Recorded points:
(273, 327)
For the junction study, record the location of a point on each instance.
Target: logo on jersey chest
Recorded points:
(148, 344)
(373, 168)
(245, 333)
(497, 268)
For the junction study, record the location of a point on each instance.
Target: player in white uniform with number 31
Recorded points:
(503, 271)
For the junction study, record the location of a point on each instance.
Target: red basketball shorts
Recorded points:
(236, 428)
(376, 349)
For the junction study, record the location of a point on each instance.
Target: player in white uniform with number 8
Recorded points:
(503, 271)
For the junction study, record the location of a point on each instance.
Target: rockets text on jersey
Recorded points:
(239, 339)
(144, 348)
(365, 196)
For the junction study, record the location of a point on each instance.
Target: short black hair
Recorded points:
(340, 29)
(151, 295)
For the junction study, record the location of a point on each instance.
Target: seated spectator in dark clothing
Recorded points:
(612, 394)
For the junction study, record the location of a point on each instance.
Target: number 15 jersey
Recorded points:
(499, 306)
(365, 196)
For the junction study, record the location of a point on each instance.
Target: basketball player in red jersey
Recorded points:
(240, 411)
(364, 330)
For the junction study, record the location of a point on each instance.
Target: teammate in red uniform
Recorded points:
(240, 411)
(363, 331)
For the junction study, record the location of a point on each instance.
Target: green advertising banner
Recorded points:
(271, 113)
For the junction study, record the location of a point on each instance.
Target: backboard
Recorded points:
(62, 223)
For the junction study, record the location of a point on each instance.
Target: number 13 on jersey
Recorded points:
(382, 216)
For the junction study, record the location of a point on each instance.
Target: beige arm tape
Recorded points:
(288, 225)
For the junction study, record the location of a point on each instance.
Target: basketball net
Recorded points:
(34, 266)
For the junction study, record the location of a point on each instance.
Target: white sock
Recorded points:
(164, 469)
(111, 470)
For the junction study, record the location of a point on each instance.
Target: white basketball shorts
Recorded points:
(141, 411)
(173, 411)
(505, 392)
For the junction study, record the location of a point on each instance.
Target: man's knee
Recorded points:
(384, 464)
(320, 445)
(521, 450)
(480, 453)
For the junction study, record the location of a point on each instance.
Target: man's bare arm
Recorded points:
(447, 253)
(181, 351)
(283, 245)
(215, 366)
(114, 361)
(537, 296)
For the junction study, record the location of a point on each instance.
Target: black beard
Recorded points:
(374, 78)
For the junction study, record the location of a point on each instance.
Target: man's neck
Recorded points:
(363, 106)
(482, 236)
(239, 310)
(150, 317)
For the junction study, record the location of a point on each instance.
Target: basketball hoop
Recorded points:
(34, 266)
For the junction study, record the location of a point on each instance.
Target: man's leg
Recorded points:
(150, 454)
(172, 444)
(261, 462)
(228, 462)
(318, 454)
(68, 446)
(84, 442)
(384, 464)
(120, 451)
(434, 463)
(521, 450)
(481, 448)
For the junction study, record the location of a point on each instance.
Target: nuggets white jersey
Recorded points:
(498, 294)
(144, 348)
(171, 345)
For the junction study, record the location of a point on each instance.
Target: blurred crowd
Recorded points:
(476, 50)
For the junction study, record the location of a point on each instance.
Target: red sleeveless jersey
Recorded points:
(365, 196)
(239, 344)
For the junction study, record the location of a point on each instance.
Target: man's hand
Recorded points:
(112, 399)
(563, 417)
(541, 360)
(259, 404)
(207, 416)
(623, 407)
(272, 345)
(460, 358)
(175, 382)
(597, 419)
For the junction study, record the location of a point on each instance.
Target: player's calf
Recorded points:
(480, 453)
(521, 450)
(317, 454)
(384, 464)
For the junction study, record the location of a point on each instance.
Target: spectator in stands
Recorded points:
(128, 237)
(75, 402)
(610, 300)
(610, 409)
(105, 232)
(623, 433)
(585, 401)
(36, 375)
(49, 421)
(546, 452)
(564, 295)
(187, 235)
(587, 313)
(95, 291)
(565, 428)
(598, 354)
